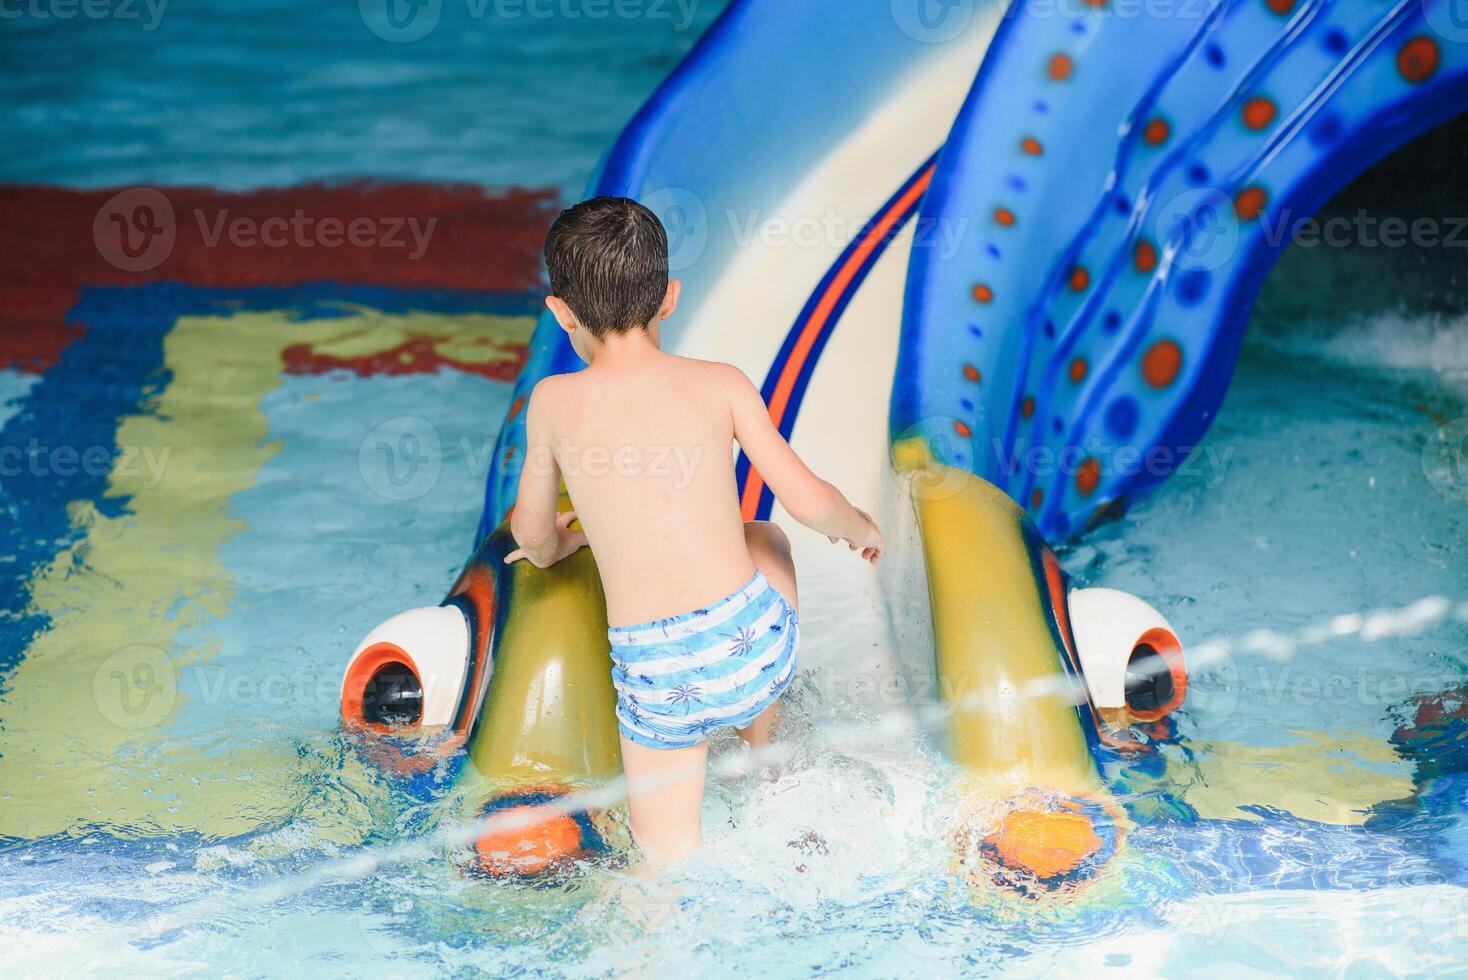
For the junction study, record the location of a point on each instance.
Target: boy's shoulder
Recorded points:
(548, 398)
(714, 372)
(545, 390)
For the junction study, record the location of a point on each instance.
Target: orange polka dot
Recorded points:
(1060, 68)
(1419, 59)
(1078, 370)
(515, 408)
(1037, 498)
(1280, 7)
(1157, 131)
(1088, 477)
(1249, 203)
(1259, 112)
(962, 429)
(1080, 278)
(1161, 363)
(1032, 146)
(1145, 257)
(983, 294)
(971, 372)
(1027, 408)
(1004, 216)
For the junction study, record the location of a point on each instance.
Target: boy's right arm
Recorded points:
(809, 499)
(543, 535)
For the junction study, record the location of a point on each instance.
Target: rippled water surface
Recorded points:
(1307, 815)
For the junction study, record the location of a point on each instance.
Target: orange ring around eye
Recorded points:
(360, 674)
(1171, 651)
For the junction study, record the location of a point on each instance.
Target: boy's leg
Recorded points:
(665, 796)
(770, 549)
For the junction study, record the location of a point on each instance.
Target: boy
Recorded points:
(701, 604)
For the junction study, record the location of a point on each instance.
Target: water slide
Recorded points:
(991, 270)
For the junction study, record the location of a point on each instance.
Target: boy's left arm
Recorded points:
(544, 536)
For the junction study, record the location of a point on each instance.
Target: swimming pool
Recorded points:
(177, 798)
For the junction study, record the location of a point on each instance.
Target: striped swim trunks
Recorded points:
(678, 679)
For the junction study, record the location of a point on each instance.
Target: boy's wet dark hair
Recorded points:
(608, 260)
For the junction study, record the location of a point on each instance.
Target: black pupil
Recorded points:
(393, 697)
(1148, 680)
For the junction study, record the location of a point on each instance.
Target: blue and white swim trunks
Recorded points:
(678, 679)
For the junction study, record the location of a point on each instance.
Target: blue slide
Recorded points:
(991, 267)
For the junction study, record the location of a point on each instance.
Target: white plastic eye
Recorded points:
(1130, 654)
(409, 673)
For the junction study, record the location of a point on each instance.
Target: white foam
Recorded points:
(1394, 340)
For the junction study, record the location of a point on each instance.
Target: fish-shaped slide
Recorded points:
(985, 263)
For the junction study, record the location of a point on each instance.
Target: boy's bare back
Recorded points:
(646, 451)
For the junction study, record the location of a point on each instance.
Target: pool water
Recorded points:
(175, 798)
(273, 93)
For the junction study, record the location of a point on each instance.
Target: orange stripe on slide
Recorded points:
(780, 399)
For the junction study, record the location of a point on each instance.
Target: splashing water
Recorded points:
(1308, 814)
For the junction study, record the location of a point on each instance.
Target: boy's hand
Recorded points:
(867, 539)
(567, 543)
